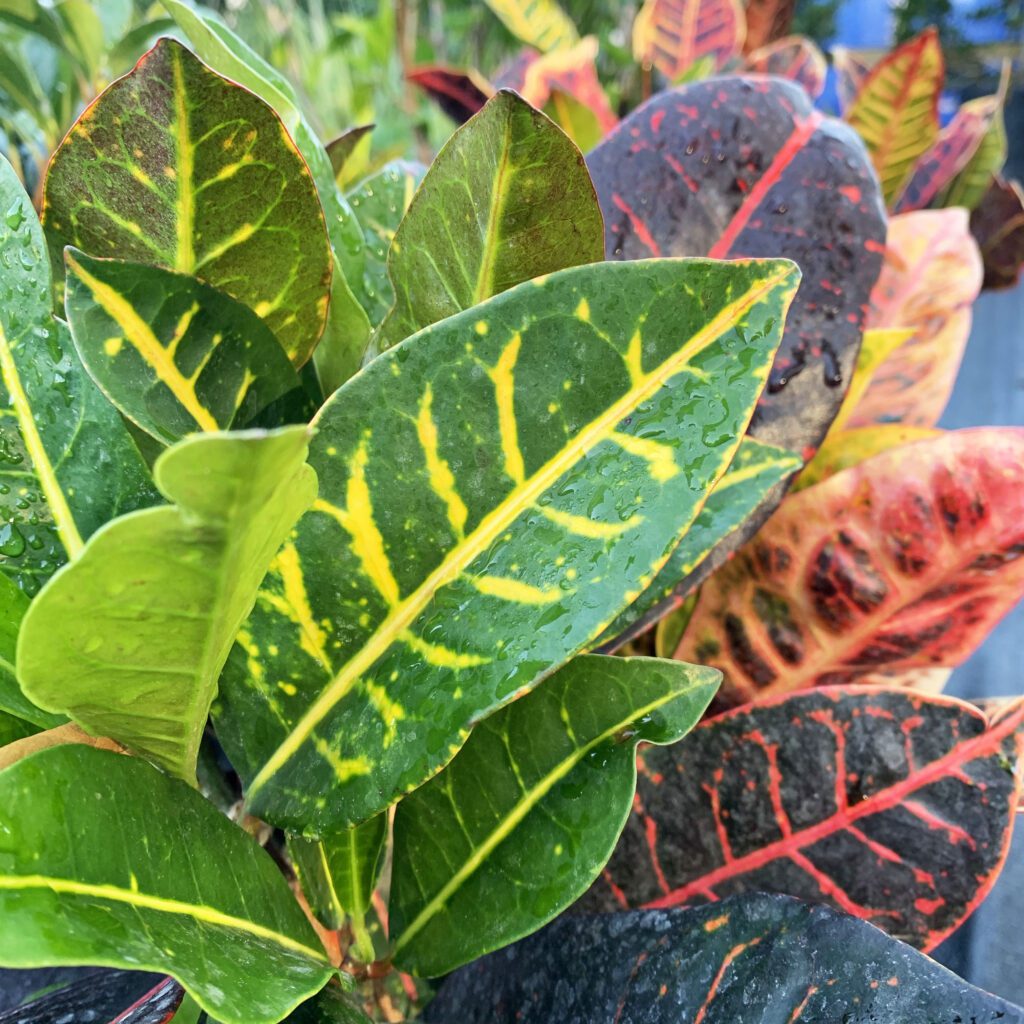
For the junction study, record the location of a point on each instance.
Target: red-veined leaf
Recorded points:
(796, 58)
(767, 20)
(896, 111)
(904, 561)
(997, 224)
(931, 276)
(459, 92)
(892, 806)
(851, 71)
(673, 34)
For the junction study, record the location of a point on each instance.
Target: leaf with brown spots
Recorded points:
(904, 561)
(892, 806)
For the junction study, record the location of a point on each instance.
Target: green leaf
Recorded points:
(67, 462)
(341, 148)
(507, 199)
(541, 24)
(130, 638)
(970, 185)
(491, 490)
(182, 890)
(176, 166)
(13, 728)
(755, 470)
(520, 824)
(173, 354)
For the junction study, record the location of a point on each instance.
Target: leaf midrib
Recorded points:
(484, 279)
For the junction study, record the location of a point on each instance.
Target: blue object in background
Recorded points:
(870, 24)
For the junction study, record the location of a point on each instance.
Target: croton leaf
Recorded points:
(892, 806)
(173, 354)
(722, 168)
(176, 166)
(752, 959)
(997, 223)
(767, 20)
(931, 276)
(162, 901)
(541, 24)
(970, 185)
(67, 461)
(459, 92)
(13, 702)
(851, 71)
(904, 561)
(507, 199)
(796, 58)
(755, 470)
(524, 818)
(501, 429)
(13, 728)
(672, 35)
(341, 148)
(896, 111)
(130, 638)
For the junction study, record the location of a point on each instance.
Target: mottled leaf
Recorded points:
(851, 72)
(541, 24)
(904, 561)
(888, 805)
(159, 899)
(997, 224)
(970, 185)
(460, 93)
(173, 354)
(794, 57)
(507, 199)
(130, 638)
(471, 521)
(767, 20)
(877, 347)
(341, 148)
(754, 959)
(672, 35)
(746, 167)
(931, 276)
(176, 166)
(524, 818)
(753, 473)
(896, 111)
(67, 462)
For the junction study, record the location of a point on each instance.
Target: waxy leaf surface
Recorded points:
(889, 805)
(130, 638)
(896, 111)
(159, 899)
(13, 702)
(175, 355)
(67, 461)
(176, 166)
(524, 818)
(997, 224)
(904, 561)
(746, 167)
(931, 276)
(13, 728)
(507, 199)
(541, 24)
(467, 507)
(753, 959)
(672, 35)
(796, 58)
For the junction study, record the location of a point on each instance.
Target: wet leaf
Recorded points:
(471, 519)
(891, 806)
(525, 816)
(13, 702)
(796, 58)
(672, 35)
(997, 224)
(541, 24)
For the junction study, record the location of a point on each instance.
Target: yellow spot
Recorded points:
(558, 850)
(263, 308)
(331, 450)
(390, 711)
(504, 393)
(634, 358)
(442, 481)
(440, 656)
(112, 346)
(552, 407)
(344, 768)
(513, 590)
(481, 327)
(566, 385)
(660, 458)
(581, 526)
(583, 310)
(288, 688)
(273, 650)
(133, 882)
(571, 574)
(170, 172)
(312, 638)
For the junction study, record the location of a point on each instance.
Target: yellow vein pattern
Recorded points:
(505, 396)
(442, 482)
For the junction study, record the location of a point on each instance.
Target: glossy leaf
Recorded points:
(665, 191)
(889, 805)
(173, 354)
(507, 199)
(176, 166)
(59, 736)
(672, 35)
(130, 638)
(970, 185)
(931, 276)
(161, 900)
(541, 24)
(67, 462)
(13, 605)
(753, 959)
(754, 472)
(796, 58)
(997, 224)
(896, 111)
(524, 818)
(13, 728)
(767, 21)
(904, 561)
(341, 148)
(877, 347)
(851, 73)
(460, 93)
(472, 524)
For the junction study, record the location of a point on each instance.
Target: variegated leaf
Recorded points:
(541, 24)
(767, 21)
(471, 520)
(970, 185)
(851, 72)
(997, 223)
(796, 58)
(672, 35)
(459, 92)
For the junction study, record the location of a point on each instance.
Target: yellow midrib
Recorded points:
(515, 817)
(197, 911)
(184, 260)
(67, 530)
(484, 280)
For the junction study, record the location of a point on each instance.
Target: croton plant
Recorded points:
(335, 526)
